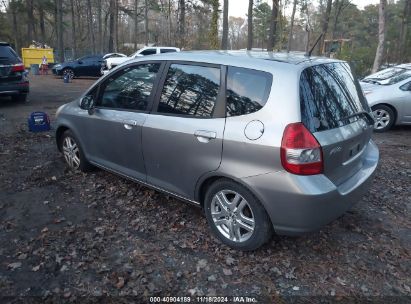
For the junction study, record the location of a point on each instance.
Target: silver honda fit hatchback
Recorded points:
(263, 142)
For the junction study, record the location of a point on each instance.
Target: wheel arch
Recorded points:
(59, 132)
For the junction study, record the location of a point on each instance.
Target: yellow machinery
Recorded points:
(35, 56)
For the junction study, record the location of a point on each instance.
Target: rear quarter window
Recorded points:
(329, 94)
(247, 90)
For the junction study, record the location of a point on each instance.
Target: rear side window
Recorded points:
(190, 90)
(8, 55)
(329, 94)
(167, 51)
(149, 52)
(247, 90)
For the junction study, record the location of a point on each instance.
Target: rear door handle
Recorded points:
(205, 136)
(129, 124)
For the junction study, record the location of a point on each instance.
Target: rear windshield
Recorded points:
(8, 55)
(329, 95)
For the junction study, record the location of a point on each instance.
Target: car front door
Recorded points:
(406, 102)
(115, 127)
(183, 136)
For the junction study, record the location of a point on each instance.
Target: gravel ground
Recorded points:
(73, 236)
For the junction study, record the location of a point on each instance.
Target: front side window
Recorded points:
(247, 90)
(190, 90)
(167, 51)
(130, 88)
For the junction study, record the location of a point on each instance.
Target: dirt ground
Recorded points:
(76, 236)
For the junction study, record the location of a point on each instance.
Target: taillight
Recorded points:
(18, 68)
(300, 152)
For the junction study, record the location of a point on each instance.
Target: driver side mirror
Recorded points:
(88, 103)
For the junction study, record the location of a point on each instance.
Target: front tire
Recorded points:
(236, 216)
(73, 153)
(384, 118)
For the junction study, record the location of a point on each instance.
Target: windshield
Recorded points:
(388, 76)
(330, 97)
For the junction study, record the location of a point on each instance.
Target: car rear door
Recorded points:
(183, 136)
(335, 111)
(114, 130)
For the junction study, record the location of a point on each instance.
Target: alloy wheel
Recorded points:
(233, 216)
(382, 119)
(69, 73)
(71, 152)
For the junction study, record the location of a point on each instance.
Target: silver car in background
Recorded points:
(263, 142)
(388, 93)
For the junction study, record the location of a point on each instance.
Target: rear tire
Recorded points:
(73, 153)
(69, 72)
(384, 118)
(21, 98)
(236, 217)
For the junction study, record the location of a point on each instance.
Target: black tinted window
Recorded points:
(247, 90)
(130, 88)
(167, 51)
(329, 94)
(149, 52)
(190, 90)
(8, 56)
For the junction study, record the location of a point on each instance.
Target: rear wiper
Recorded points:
(358, 114)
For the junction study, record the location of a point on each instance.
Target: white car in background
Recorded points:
(111, 63)
(388, 93)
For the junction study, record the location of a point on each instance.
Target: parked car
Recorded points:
(113, 62)
(13, 77)
(389, 95)
(84, 66)
(266, 143)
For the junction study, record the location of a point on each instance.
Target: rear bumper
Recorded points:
(14, 88)
(300, 204)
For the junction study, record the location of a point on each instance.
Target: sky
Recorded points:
(239, 8)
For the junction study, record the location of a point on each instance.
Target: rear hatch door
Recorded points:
(334, 109)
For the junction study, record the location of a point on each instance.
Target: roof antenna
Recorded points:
(308, 54)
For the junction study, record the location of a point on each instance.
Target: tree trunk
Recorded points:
(60, 42)
(41, 22)
(100, 27)
(214, 25)
(403, 32)
(16, 31)
(181, 23)
(290, 33)
(31, 30)
(146, 38)
(324, 26)
(250, 25)
(135, 24)
(381, 36)
(224, 40)
(273, 26)
(90, 26)
(73, 29)
(111, 10)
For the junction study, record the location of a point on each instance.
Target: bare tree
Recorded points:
(381, 36)
(13, 8)
(59, 19)
(403, 30)
(111, 11)
(100, 27)
(324, 25)
(224, 40)
(135, 24)
(250, 25)
(73, 29)
(214, 25)
(290, 33)
(31, 29)
(181, 22)
(146, 22)
(273, 26)
(90, 26)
